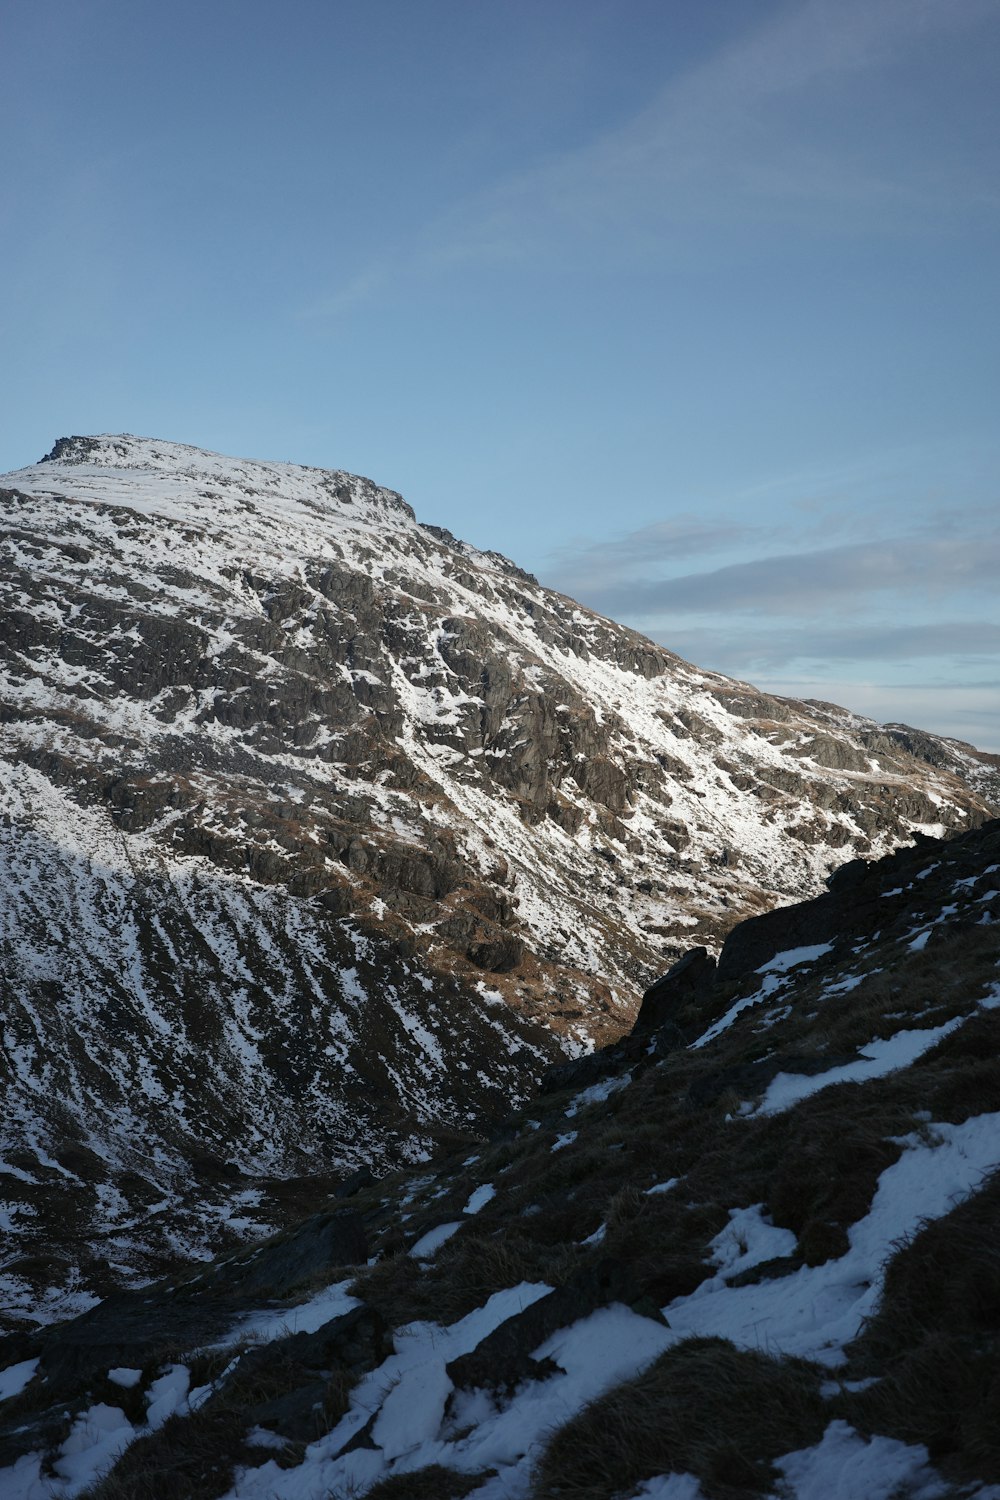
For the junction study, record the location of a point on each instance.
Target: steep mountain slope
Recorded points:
(748, 1251)
(322, 832)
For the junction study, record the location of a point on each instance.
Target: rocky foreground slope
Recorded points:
(321, 833)
(748, 1251)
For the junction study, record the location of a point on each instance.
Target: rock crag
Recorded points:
(323, 833)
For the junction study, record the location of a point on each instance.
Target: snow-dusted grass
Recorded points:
(881, 1056)
(704, 1409)
(817, 1310)
(711, 1272)
(243, 563)
(406, 1394)
(98, 1436)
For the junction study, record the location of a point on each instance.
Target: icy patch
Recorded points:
(882, 1056)
(844, 986)
(748, 1240)
(260, 1437)
(844, 1466)
(408, 1392)
(772, 984)
(433, 1240)
(570, 1136)
(831, 1388)
(480, 1198)
(125, 1377)
(413, 1410)
(167, 1395)
(595, 1353)
(669, 1487)
(97, 1438)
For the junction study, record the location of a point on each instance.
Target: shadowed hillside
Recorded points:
(750, 1250)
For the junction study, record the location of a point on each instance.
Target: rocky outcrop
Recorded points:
(323, 833)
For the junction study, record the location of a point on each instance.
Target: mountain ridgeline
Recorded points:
(323, 833)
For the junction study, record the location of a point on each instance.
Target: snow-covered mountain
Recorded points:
(322, 832)
(747, 1253)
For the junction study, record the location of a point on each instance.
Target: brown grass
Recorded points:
(703, 1408)
(188, 1458)
(433, 1483)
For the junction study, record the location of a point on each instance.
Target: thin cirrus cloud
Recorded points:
(805, 581)
(587, 565)
(770, 650)
(721, 142)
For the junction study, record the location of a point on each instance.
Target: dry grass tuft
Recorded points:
(189, 1458)
(433, 1483)
(703, 1408)
(476, 1267)
(464, 1273)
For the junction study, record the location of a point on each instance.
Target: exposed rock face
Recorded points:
(322, 832)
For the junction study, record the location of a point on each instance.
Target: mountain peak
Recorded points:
(152, 474)
(324, 832)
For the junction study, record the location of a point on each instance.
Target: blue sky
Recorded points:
(690, 308)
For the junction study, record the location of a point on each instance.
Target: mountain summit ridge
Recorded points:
(326, 832)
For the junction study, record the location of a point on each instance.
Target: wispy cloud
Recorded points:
(810, 580)
(915, 597)
(767, 649)
(587, 564)
(722, 142)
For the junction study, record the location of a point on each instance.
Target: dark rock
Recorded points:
(356, 1341)
(689, 979)
(296, 1416)
(320, 1244)
(579, 1073)
(130, 1329)
(356, 1183)
(498, 955)
(848, 877)
(758, 939)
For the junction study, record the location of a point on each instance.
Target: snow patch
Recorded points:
(844, 1466)
(881, 1056)
(480, 1198)
(432, 1241)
